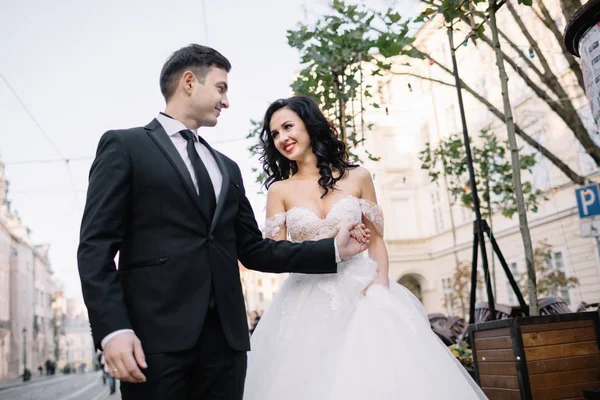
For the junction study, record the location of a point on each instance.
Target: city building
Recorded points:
(26, 287)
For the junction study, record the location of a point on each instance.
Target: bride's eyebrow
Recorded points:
(282, 125)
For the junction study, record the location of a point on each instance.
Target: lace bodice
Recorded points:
(303, 224)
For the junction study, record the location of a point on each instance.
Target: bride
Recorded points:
(350, 335)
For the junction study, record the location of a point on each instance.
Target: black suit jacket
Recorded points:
(142, 203)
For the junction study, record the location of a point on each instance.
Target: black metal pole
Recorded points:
(25, 354)
(476, 206)
(507, 271)
(473, 278)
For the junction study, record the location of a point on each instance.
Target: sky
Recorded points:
(71, 70)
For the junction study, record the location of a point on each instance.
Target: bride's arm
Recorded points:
(275, 220)
(373, 219)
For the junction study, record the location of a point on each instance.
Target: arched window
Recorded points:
(412, 284)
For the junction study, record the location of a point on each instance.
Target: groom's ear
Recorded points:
(187, 80)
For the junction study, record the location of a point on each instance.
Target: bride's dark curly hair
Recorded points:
(330, 151)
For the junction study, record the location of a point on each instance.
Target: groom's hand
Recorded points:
(124, 355)
(349, 246)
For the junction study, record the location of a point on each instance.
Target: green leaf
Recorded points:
(395, 17)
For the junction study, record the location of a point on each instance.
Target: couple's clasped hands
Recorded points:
(352, 238)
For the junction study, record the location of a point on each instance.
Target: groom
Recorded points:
(171, 319)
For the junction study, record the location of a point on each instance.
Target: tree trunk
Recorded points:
(514, 149)
(569, 7)
(342, 121)
(491, 216)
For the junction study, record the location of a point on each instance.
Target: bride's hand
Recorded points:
(379, 280)
(347, 245)
(359, 233)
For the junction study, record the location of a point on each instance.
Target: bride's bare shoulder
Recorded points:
(359, 174)
(279, 189)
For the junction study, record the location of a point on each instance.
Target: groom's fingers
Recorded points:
(138, 353)
(132, 369)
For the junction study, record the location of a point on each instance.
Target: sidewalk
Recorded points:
(9, 383)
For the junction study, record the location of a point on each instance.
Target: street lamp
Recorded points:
(25, 375)
(68, 343)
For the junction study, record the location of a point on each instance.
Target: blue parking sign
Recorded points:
(588, 200)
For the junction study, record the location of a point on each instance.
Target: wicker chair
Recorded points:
(483, 313)
(585, 307)
(448, 329)
(553, 305)
(438, 326)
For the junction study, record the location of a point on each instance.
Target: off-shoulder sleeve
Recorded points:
(273, 225)
(374, 213)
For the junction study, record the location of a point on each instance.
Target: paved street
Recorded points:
(62, 387)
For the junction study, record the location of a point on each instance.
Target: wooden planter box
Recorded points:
(537, 358)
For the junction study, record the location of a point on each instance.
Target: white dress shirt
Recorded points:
(172, 127)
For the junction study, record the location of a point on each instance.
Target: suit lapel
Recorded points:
(224, 187)
(158, 134)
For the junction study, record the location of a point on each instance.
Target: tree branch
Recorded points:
(530, 39)
(512, 44)
(548, 21)
(572, 175)
(565, 110)
(541, 93)
(425, 78)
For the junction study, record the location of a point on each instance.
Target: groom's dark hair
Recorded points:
(194, 57)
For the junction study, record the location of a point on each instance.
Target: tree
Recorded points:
(493, 173)
(550, 280)
(452, 13)
(254, 149)
(466, 12)
(515, 162)
(338, 54)
(460, 283)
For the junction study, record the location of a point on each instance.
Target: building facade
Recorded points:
(76, 346)
(26, 286)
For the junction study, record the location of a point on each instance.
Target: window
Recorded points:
(466, 214)
(586, 162)
(447, 287)
(438, 218)
(412, 284)
(261, 296)
(259, 283)
(514, 269)
(273, 281)
(558, 263)
(540, 172)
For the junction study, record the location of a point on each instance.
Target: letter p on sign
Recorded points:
(588, 201)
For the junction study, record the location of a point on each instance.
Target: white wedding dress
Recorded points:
(321, 339)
